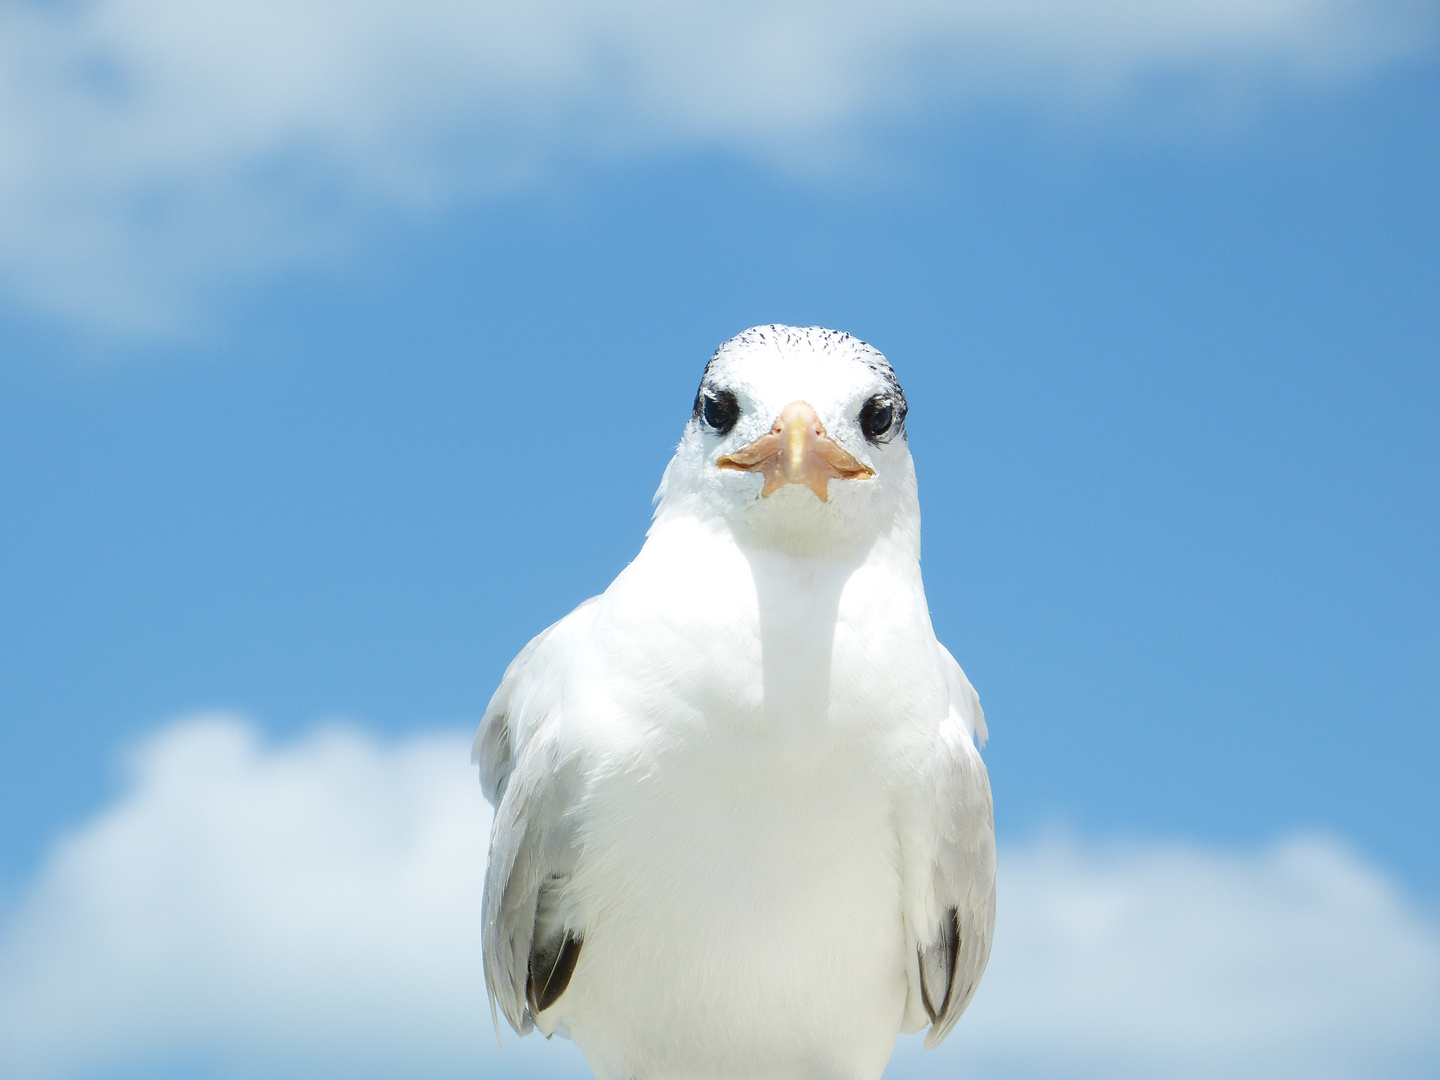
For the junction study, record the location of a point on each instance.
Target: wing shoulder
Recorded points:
(529, 692)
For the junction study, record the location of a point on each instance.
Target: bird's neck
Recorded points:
(789, 604)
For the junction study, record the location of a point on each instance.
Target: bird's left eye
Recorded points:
(877, 417)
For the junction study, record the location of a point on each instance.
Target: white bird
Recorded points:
(742, 826)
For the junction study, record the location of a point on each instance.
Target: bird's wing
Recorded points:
(953, 861)
(533, 779)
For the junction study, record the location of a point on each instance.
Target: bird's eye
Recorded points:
(877, 417)
(720, 409)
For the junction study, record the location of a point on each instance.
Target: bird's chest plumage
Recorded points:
(747, 898)
(740, 877)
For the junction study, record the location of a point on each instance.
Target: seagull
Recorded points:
(742, 828)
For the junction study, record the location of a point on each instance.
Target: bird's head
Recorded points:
(797, 440)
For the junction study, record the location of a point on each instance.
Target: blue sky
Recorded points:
(343, 352)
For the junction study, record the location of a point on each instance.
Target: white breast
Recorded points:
(740, 883)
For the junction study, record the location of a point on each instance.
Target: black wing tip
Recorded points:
(950, 937)
(924, 989)
(554, 969)
(952, 956)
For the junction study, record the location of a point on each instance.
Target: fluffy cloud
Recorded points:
(147, 145)
(312, 904)
(312, 909)
(1299, 961)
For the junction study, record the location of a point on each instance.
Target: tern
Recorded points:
(742, 827)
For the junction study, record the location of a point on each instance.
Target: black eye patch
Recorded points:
(877, 417)
(718, 408)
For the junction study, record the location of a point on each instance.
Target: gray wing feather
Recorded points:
(533, 846)
(532, 850)
(954, 950)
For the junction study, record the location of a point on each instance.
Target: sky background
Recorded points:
(342, 347)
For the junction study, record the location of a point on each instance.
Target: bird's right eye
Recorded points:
(720, 409)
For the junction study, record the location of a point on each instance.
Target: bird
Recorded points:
(742, 826)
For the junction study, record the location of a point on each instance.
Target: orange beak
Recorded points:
(797, 451)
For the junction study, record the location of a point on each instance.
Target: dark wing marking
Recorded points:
(552, 963)
(938, 964)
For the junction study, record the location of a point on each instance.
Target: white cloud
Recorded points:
(149, 147)
(1166, 961)
(315, 903)
(314, 907)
